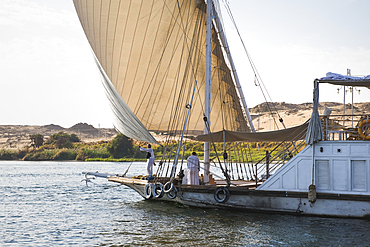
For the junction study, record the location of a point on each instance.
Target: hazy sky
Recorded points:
(48, 73)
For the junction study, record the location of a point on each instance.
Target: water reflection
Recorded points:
(46, 204)
(161, 223)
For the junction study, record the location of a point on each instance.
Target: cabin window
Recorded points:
(358, 168)
(322, 174)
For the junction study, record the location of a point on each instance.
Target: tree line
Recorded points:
(64, 146)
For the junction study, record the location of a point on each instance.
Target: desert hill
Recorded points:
(17, 136)
(295, 114)
(293, 108)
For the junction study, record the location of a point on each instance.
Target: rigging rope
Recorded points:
(176, 112)
(190, 48)
(257, 77)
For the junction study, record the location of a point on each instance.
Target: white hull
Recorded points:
(343, 190)
(333, 205)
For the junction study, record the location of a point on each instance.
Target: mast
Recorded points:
(207, 103)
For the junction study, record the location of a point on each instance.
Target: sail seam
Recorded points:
(114, 38)
(120, 56)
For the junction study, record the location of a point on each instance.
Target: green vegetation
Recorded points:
(62, 146)
(248, 151)
(6, 154)
(37, 140)
(120, 146)
(62, 140)
(115, 160)
(54, 154)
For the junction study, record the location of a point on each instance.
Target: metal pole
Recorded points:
(344, 100)
(352, 89)
(182, 136)
(267, 164)
(313, 163)
(344, 103)
(256, 176)
(207, 101)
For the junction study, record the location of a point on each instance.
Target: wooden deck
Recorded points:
(236, 183)
(125, 180)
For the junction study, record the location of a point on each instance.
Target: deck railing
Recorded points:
(237, 158)
(276, 158)
(342, 127)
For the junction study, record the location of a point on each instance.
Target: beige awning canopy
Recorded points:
(290, 134)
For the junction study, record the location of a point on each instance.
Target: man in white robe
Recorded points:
(194, 167)
(150, 159)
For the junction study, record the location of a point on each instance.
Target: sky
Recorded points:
(48, 74)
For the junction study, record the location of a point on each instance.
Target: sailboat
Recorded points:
(167, 69)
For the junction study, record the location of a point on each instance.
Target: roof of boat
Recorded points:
(345, 80)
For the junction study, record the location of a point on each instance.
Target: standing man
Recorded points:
(150, 158)
(194, 167)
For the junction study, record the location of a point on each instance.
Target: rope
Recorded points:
(257, 77)
(222, 169)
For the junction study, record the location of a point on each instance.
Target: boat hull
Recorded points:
(243, 198)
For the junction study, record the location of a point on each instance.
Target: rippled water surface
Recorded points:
(46, 204)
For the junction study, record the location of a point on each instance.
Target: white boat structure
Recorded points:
(167, 68)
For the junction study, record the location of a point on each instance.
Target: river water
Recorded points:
(46, 204)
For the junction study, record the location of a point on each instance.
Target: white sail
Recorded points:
(152, 52)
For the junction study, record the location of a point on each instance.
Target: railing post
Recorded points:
(267, 164)
(256, 176)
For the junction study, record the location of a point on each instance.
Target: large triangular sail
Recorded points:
(153, 52)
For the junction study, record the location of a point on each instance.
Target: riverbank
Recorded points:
(99, 152)
(15, 142)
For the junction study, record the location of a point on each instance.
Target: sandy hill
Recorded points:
(84, 128)
(295, 114)
(17, 136)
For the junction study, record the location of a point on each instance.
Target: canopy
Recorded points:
(345, 80)
(290, 134)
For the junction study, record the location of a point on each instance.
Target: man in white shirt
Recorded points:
(150, 158)
(194, 167)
